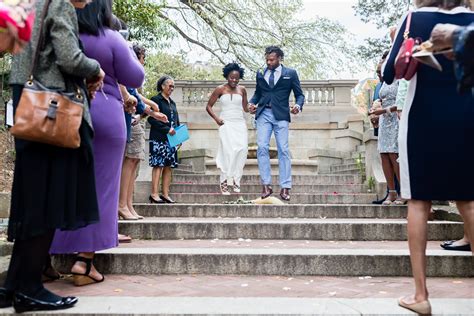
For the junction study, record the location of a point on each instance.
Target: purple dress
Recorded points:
(120, 66)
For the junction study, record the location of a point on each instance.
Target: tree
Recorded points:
(175, 66)
(240, 30)
(383, 14)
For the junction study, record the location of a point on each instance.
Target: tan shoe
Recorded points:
(422, 308)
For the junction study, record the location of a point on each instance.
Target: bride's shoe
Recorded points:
(422, 308)
(224, 188)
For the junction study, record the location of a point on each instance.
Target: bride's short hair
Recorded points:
(233, 67)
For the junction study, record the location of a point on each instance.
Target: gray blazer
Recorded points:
(61, 57)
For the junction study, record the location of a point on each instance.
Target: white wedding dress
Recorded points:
(233, 145)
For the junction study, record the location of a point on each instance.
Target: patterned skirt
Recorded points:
(162, 155)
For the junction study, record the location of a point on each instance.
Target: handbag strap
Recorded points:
(407, 27)
(40, 38)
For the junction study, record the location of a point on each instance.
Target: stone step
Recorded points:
(297, 198)
(183, 305)
(344, 167)
(291, 258)
(347, 172)
(173, 228)
(144, 187)
(356, 154)
(298, 167)
(180, 171)
(296, 179)
(272, 211)
(352, 160)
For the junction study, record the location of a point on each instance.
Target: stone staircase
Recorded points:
(329, 231)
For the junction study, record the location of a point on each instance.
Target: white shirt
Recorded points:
(277, 74)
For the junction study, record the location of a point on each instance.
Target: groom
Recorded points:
(271, 105)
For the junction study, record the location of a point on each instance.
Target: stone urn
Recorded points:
(252, 153)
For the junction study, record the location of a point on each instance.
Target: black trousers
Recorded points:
(27, 264)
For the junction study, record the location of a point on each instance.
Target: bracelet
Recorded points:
(387, 110)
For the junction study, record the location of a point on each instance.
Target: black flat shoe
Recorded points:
(24, 303)
(6, 298)
(450, 246)
(170, 201)
(153, 201)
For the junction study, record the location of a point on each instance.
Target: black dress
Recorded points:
(437, 126)
(53, 187)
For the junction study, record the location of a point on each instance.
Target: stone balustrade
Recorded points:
(318, 92)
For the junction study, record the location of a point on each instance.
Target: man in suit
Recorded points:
(271, 105)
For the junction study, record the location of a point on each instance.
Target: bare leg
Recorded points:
(418, 212)
(155, 182)
(466, 208)
(131, 187)
(389, 174)
(395, 165)
(80, 267)
(126, 177)
(166, 181)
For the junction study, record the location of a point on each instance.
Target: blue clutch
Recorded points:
(182, 135)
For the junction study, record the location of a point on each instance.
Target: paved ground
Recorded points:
(263, 286)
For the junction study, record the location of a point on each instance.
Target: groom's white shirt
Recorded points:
(277, 74)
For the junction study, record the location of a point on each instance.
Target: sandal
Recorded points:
(224, 188)
(81, 279)
(387, 202)
(400, 201)
(236, 188)
(124, 239)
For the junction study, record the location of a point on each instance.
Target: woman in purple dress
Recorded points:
(121, 67)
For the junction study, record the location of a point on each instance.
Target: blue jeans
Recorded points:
(266, 123)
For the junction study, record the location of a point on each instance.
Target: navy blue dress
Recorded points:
(436, 140)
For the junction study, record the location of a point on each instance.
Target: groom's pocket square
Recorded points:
(286, 77)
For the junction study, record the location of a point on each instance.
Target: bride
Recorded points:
(233, 145)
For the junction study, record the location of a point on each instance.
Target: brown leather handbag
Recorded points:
(48, 116)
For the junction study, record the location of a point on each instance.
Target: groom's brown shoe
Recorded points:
(285, 194)
(267, 191)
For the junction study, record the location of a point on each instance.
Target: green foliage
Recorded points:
(175, 66)
(141, 18)
(384, 14)
(371, 184)
(240, 30)
(360, 162)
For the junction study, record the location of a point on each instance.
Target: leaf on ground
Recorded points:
(118, 290)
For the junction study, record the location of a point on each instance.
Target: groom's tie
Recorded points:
(271, 79)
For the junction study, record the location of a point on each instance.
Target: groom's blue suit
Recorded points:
(273, 114)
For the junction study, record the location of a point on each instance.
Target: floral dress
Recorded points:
(388, 123)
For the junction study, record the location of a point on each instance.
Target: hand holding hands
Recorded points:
(131, 104)
(295, 109)
(252, 108)
(159, 116)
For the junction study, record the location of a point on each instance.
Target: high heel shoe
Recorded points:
(153, 201)
(422, 308)
(81, 279)
(125, 214)
(167, 199)
(134, 213)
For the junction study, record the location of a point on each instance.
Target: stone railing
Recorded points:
(318, 92)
